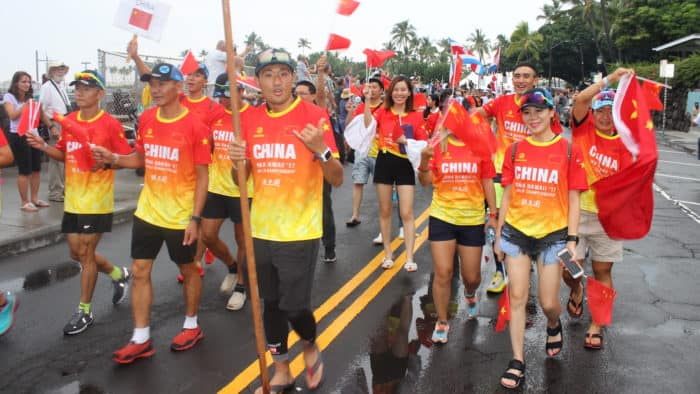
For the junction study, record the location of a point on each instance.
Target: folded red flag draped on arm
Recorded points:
(651, 92)
(189, 64)
(377, 58)
(29, 119)
(347, 7)
(83, 154)
(336, 42)
(503, 311)
(625, 199)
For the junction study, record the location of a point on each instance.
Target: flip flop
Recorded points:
(410, 266)
(588, 344)
(352, 223)
(387, 264)
(41, 204)
(311, 372)
(29, 207)
(573, 308)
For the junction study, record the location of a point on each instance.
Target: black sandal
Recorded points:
(518, 379)
(588, 343)
(575, 309)
(558, 345)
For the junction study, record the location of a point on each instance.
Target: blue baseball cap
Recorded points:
(537, 97)
(163, 72)
(603, 99)
(203, 69)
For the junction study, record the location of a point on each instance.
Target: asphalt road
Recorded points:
(374, 325)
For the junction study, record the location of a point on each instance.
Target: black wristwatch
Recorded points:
(196, 219)
(325, 156)
(570, 238)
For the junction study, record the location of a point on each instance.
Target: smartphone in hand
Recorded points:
(571, 265)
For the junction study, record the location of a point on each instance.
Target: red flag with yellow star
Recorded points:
(83, 153)
(600, 301)
(503, 311)
(625, 199)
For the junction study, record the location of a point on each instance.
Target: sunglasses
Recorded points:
(270, 55)
(539, 98)
(608, 95)
(89, 77)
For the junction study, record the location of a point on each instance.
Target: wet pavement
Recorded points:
(375, 326)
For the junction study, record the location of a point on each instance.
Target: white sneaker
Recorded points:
(236, 301)
(400, 232)
(228, 283)
(378, 240)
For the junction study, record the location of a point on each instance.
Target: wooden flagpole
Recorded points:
(245, 209)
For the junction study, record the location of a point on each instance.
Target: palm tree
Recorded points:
(256, 41)
(203, 54)
(551, 13)
(501, 42)
(525, 44)
(480, 44)
(401, 35)
(445, 50)
(426, 51)
(303, 43)
(184, 53)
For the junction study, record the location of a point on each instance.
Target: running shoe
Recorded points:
(237, 300)
(440, 332)
(329, 256)
(7, 313)
(498, 283)
(186, 339)
(132, 351)
(78, 323)
(228, 283)
(472, 307)
(121, 287)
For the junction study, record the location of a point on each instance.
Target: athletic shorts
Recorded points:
(362, 169)
(80, 223)
(286, 271)
(147, 239)
(27, 159)
(593, 237)
(219, 206)
(391, 169)
(548, 254)
(440, 230)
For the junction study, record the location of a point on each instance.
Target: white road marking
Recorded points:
(680, 204)
(672, 151)
(677, 177)
(679, 163)
(689, 202)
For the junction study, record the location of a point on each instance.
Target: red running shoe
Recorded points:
(132, 351)
(200, 269)
(186, 339)
(209, 257)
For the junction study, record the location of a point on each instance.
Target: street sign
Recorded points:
(666, 69)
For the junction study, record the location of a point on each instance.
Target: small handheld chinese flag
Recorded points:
(347, 7)
(377, 58)
(503, 311)
(651, 92)
(83, 155)
(336, 42)
(600, 302)
(189, 64)
(29, 119)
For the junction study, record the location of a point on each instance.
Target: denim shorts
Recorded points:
(362, 169)
(548, 256)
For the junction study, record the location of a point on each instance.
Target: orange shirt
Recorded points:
(220, 178)
(458, 194)
(509, 124)
(288, 179)
(431, 122)
(90, 192)
(603, 155)
(206, 109)
(541, 179)
(172, 148)
(360, 110)
(391, 126)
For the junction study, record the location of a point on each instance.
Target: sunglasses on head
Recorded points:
(606, 96)
(539, 98)
(87, 77)
(270, 55)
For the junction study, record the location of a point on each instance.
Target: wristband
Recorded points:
(116, 158)
(493, 215)
(572, 238)
(196, 219)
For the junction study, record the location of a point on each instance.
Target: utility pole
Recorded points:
(36, 63)
(85, 64)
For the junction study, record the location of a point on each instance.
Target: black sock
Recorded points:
(233, 268)
(239, 288)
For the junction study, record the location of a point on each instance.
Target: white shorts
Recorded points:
(593, 237)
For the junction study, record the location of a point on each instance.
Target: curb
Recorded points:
(677, 144)
(51, 234)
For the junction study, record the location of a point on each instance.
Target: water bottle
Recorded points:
(490, 235)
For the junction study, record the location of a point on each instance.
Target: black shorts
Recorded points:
(146, 240)
(27, 159)
(286, 271)
(219, 206)
(440, 230)
(391, 169)
(80, 223)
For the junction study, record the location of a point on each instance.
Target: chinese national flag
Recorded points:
(355, 90)
(456, 72)
(189, 64)
(29, 119)
(84, 154)
(140, 18)
(503, 311)
(377, 58)
(386, 82)
(347, 7)
(625, 199)
(600, 302)
(651, 92)
(336, 42)
(464, 127)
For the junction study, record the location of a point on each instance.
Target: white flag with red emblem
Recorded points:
(145, 18)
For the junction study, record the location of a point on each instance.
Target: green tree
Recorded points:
(525, 45)
(303, 43)
(401, 35)
(444, 51)
(427, 52)
(480, 44)
(258, 45)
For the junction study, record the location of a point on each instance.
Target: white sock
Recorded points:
(190, 322)
(141, 335)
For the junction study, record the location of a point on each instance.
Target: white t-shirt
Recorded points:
(217, 64)
(52, 99)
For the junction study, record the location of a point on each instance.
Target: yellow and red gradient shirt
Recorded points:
(171, 148)
(206, 109)
(288, 179)
(458, 194)
(541, 177)
(360, 110)
(222, 134)
(89, 192)
(509, 124)
(603, 155)
(390, 128)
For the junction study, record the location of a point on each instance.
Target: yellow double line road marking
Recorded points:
(246, 377)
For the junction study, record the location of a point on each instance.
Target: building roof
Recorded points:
(689, 43)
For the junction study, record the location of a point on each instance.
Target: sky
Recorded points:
(73, 30)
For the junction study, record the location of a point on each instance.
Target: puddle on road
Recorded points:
(42, 278)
